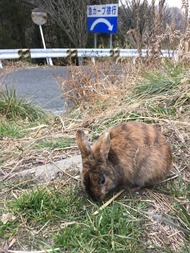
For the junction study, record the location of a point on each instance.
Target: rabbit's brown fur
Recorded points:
(131, 153)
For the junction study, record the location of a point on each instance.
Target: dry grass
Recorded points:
(92, 83)
(102, 83)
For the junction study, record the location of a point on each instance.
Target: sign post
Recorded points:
(39, 17)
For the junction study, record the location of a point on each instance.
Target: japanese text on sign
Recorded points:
(107, 10)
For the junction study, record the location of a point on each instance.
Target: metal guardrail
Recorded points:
(80, 52)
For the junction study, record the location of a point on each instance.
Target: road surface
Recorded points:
(39, 84)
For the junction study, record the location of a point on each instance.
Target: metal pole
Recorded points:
(111, 40)
(49, 60)
(95, 40)
(95, 46)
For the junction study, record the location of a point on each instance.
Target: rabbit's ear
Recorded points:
(105, 146)
(83, 143)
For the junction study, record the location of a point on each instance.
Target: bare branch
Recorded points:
(69, 15)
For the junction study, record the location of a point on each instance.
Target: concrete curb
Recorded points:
(49, 172)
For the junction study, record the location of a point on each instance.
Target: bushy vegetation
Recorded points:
(14, 107)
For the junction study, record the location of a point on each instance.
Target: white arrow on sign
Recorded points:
(102, 20)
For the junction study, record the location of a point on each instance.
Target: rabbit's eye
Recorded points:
(103, 179)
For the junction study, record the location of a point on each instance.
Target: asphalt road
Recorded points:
(39, 84)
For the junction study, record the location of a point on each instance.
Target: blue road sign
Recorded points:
(102, 18)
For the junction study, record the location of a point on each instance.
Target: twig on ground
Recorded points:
(108, 202)
(61, 121)
(167, 221)
(38, 129)
(174, 176)
(5, 177)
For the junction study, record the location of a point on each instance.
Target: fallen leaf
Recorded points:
(7, 217)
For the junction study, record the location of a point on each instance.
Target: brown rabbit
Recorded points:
(128, 154)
